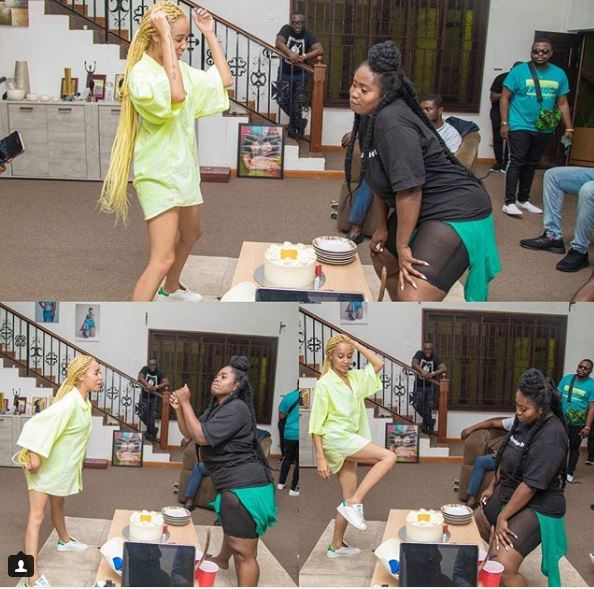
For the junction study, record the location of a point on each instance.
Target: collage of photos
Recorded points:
(296, 293)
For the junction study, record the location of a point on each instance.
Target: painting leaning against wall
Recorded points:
(14, 13)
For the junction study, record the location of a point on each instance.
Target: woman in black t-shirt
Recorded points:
(524, 505)
(229, 447)
(432, 214)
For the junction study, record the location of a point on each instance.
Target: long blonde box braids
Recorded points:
(76, 370)
(114, 198)
(331, 345)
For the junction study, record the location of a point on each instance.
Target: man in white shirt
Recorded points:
(433, 107)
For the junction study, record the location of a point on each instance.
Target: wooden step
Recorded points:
(215, 173)
(95, 463)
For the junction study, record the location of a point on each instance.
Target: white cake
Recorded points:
(424, 526)
(290, 265)
(146, 526)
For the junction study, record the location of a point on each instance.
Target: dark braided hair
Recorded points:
(384, 60)
(542, 392)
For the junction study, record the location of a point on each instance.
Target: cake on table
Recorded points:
(290, 265)
(146, 526)
(424, 526)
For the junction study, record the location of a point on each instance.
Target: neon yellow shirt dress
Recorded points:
(338, 413)
(60, 435)
(166, 168)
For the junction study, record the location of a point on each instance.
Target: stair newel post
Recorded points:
(106, 21)
(317, 106)
(442, 426)
(164, 437)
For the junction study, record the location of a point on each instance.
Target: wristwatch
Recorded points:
(504, 123)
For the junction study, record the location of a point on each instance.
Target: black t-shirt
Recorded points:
(406, 153)
(300, 44)
(427, 365)
(231, 456)
(541, 468)
(154, 378)
(497, 87)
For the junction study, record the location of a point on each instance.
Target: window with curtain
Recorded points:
(442, 43)
(194, 358)
(485, 353)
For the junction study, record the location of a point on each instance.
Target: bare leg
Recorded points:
(347, 477)
(225, 553)
(189, 234)
(483, 525)
(245, 552)
(162, 231)
(383, 461)
(37, 503)
(511, 560)
(57, 512)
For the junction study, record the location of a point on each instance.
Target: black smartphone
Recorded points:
(11, 146)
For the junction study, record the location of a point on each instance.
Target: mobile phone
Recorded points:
(566, 142)
(11, 146)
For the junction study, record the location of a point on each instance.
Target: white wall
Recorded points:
(580, 15)
(405, 334)
(124, 329)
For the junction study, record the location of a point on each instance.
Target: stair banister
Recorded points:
(442, 424)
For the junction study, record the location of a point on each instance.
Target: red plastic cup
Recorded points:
(206, 574)
(490, 576)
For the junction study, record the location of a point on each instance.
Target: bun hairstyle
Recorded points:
(541, 390)
(385, 62)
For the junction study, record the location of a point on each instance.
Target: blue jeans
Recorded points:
(577, 181)
(362, 199)
(193, 485)
(481, 465)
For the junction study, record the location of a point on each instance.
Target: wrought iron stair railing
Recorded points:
(398, 378)
(254, 63)
(45, 356)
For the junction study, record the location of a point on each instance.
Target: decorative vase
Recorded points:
(21, 76)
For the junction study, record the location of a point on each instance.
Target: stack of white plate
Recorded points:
(333, 249)
(174, 515)
(456, 514)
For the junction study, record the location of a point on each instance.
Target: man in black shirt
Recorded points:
(427, 363)
(153, 381)
(300, 46)
(494, 95)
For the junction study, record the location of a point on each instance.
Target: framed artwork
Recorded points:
(305, 397)
(126, 449)
(403, 440)
(39, 404)
(353, 313)
(99, 81)
(73, 87)
(14, 13)
(118, 84)
(47, 312)
(260, 151)
(87, 322)
(21, 405)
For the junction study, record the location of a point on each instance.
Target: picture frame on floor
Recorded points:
(353, 313)
(260, 151)
(403, 440)
(87, 321)
(127, 449)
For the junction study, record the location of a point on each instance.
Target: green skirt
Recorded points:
(478, 238)
(259, 502)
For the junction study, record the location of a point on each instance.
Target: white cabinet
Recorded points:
(31, 121)
(109, 117)
(10, 429)
(66, 143)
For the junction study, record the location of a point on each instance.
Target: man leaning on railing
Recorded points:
(153, 381)
(299, 45)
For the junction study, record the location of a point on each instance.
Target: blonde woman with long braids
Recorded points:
(54, 443)
(341, 434)
(161, 97)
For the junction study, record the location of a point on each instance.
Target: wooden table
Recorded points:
(467, 534)
(350, 277)
(121, 518)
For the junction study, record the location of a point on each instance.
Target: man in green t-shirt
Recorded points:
(577, 400)
(288, 411)
(520, 108)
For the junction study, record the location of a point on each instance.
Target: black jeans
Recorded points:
(291, 455)
(423, 402)
(525, 150)
(501, 155)
(292, 97)
(591, 446)
(575, 441)
(147, 411)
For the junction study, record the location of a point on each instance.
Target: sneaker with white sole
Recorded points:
(294, 493)
(41, 582)
(181, 294)
(353, 514)
(280, 486)
(570, 478)
(512, 209)
(72, 545)
(344, 550)
(529, 207)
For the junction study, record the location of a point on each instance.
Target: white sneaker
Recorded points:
(280, 486)
(72, 545)
(181, 294)
(41, 582)
(528, 206)
(353, 514)
(342, 551)
(512, 209)
(570, 478)
(293, 493)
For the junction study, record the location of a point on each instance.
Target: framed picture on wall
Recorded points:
(87, 322)
(47, 312)
(126, 449)
(260, 151)
(403, 440)
(99, 81)
(353, 313)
